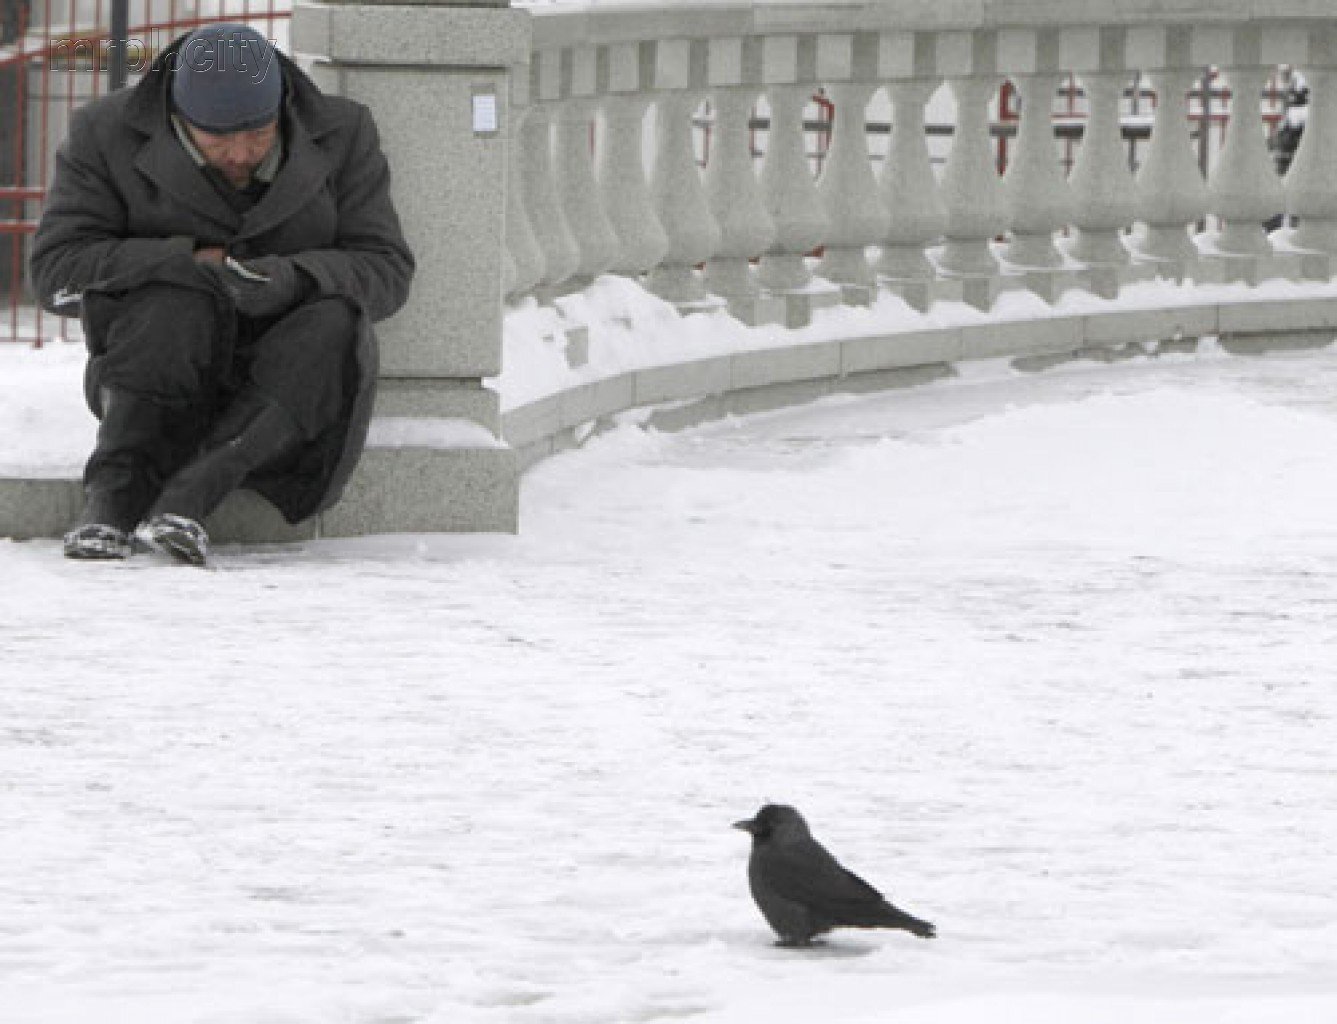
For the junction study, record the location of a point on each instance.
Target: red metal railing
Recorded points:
(53, 60)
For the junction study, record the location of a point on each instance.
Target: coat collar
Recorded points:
(163, 159)
(304, 168)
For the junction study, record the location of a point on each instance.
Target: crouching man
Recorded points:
(226, 234)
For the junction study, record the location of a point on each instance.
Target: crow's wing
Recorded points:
(806, 873)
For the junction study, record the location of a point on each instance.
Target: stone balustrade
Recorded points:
(744, 229)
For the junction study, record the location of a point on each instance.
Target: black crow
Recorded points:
(802, 890)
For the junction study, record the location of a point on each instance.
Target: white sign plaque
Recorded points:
(485, 111)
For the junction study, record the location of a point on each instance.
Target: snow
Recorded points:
(1048, 657)
(45, 427)
(428, 432)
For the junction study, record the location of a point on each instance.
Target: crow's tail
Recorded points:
(894, 917)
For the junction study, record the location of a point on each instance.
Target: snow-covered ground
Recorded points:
(1050, 658)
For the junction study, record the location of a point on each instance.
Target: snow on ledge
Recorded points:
(630, 329)
(428, 432)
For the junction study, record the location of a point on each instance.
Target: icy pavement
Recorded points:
(1048, 658)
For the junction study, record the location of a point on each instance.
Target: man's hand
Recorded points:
(265, 287)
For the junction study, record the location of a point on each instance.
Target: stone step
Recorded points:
(429, 487)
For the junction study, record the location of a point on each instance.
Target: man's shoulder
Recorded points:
(100, 125)
(313, 106)
(343, 111)
(104, 112)
(333, 121)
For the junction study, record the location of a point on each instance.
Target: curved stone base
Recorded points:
(757, 380)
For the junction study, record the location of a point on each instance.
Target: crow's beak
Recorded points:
(745, 825)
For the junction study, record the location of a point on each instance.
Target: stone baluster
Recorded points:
(849, 191)
(561, 256)
(972, 190)
(790, 192)
(624, 187)
(596, 242)
(1038, 198)
(910, 194)
(679, 195)
(1243, 187)
(847, 185)
(522, 248)
(680, 201)
(620, 167)
(1170, 194)
(734, 73)
(789, 66)
(1311, 182)
(735, 197)
(1102, 185)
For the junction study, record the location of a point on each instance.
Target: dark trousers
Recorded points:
(167, 344)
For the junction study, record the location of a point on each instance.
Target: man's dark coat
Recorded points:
(128, 206)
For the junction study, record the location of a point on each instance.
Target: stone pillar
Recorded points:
(1171, 194)
(436, 77)
(1102, 185)
(916, 215)
(850, 195)
(1038, 198)
(746, 228)
(1243, 187)
(1311, 182)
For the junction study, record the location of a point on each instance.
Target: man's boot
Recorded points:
(251, 434)
(121, 478)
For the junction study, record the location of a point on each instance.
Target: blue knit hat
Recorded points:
(227, 79)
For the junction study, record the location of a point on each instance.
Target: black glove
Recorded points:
(267, 286)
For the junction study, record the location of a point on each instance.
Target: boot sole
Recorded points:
(97, 542)
(181, 538)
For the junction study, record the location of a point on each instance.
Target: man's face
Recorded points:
(235, 154)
